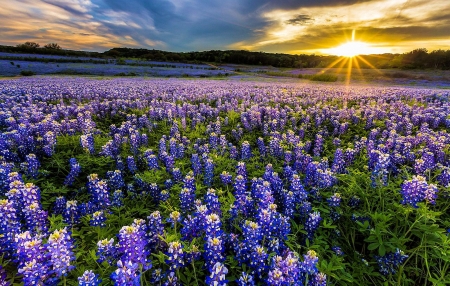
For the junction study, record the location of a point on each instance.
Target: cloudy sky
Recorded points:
(286, 26)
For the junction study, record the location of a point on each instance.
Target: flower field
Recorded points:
(196, 182)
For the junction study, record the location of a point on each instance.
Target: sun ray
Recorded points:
(332, 64)
(369, 64)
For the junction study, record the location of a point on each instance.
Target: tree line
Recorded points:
(415, 59)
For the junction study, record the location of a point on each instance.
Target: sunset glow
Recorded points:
(292, 27)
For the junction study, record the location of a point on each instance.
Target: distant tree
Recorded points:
(53, 46)
(415, 59)
(29, 45)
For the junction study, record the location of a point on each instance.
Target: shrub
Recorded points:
(27, 73)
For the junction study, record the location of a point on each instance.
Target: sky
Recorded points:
(279, 26)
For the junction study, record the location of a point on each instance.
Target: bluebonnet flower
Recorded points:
(36, 219)
(252, 233)
(191, 228)
(416, 190)
(157, 276)
(132, 244)
(119, 164)
(172, 280)
(98, 189)
(217, 276)
(3, 277)
(75, 170)
(246, 152)
(33, 273)
(106, 251)
(187, 197)
(389, 263)
(354, 202)
(298, 189)
(115, 179)
(71, 215)
(325, 178)
(214, 252)
(177, 175)
(209, 172)
(444, 177)
(212, 201)
(337, 250)
(126, 274)
(87, 143)
(309, 264)
(261, 147)
(338, 165)
(193, 255)
(196, 164)
(334, 200)
(312, 224)
(155, 228)
(32, 257)
(50, 142)
(226, 178)
(175, 255)
(60, 205)
(318, 279)
(60, 246)
(152, 162)
(131, 164)
(32, 166)
(245, 280)
(239, 186)
(117, 199)
(258, 261)
(318, 145)
(288, 203)
(276, 278)
(175, 217)
(164, 195)
(98, 219)
(89, 278)
(381, 162)
(213, 140)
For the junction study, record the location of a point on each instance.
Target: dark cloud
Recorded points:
(300, 20)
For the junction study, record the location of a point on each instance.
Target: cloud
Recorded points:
(292, 26)
(300, 20)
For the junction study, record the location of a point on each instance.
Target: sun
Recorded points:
(350, 49)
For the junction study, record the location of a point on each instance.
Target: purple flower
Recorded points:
(217, 276)
(389, 263)
(209, 172)
(89, 278)
(246, 152)
(126, 274)
(60, 246)
(87, 143)
(75, 170)
(175, 255)
(334, 200)
(226, 178)
(312, 224)
(245, 280)
(106, 251)
(309, 264)
(132, 244)
(417, 190)
(98, 219)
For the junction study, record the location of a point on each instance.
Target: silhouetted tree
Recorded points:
(29, 45)
(53, 46)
